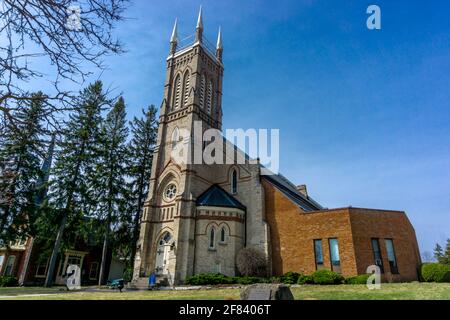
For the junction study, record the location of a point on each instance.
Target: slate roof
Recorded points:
(290, 191)
(284, 185)
(215, 196)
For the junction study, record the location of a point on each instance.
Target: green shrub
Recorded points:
(304, 279)
(435, 272)
(251, 280)
(210, 278)
(8, 281)
(128, 275)
(275, 280)
(360, 279)
(215, 279)
(290, 277)
(327, 277)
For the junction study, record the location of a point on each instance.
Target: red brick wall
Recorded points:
(18, 262)
(292, 234)
(368, 224)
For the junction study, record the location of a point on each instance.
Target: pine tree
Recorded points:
(144, 132)
(110, 176)
(438, 253)
(75, 163)
(21, 149)
(446, 256)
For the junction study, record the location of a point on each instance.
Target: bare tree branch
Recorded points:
(32, 30)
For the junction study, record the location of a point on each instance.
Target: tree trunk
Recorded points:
(136, 228)
(56, 247)
(101, 278)
(62, 226)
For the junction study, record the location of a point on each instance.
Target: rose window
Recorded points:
(170, 192)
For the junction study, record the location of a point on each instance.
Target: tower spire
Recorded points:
(174, 38)
(219, 46)
(199, 27)
(200, 19)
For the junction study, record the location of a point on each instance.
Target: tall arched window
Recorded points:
(187, 77)
(234, 182)
(222, 234)
(212, 242)
(175, 137)
(177, 93)
(202, 91)
(209, 97)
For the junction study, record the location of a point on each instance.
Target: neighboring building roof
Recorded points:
(289, 190)
(215, 196)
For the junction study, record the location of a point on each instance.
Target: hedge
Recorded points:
(324, 277)
(210, 278)
(435, 272)
(304, 279)
(321, 277)
(290, 277)
(8, 281)
(251, 280)
(361, 279)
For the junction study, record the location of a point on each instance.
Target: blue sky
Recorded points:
(363, 115)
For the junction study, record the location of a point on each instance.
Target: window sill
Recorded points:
(320, 267)
(212, 249)
(224, 243)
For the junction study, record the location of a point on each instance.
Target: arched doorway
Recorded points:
(162, 254)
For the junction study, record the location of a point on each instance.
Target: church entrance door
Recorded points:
(162, 254)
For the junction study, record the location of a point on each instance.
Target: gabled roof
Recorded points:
(283, 184)
(289, 190)
(215, 196)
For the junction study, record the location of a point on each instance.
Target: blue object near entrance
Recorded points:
(152, 279)
(116, 284)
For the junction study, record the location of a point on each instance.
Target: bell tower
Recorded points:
(194, 77)
(192, 93)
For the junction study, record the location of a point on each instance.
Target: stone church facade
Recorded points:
(197, 217)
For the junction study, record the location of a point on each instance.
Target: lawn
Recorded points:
(400, 291)
(29, 290)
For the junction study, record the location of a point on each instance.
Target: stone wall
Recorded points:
(222, 256)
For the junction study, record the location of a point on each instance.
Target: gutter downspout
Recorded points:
(245, 226)
(195, 241)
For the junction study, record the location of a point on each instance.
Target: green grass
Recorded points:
(212, 294)
(400, 291)
(388, 291)
(29, 290)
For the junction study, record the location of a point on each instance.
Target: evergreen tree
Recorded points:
(438, 253)
(75, 163)
(144, 133)
(446, 257)
(110, 176)
(21, 149)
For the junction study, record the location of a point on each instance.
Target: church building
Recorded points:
(197, 217)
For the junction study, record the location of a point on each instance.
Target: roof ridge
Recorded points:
(216, 196)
